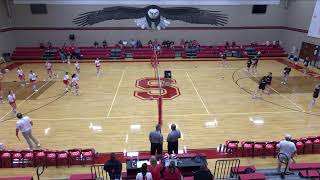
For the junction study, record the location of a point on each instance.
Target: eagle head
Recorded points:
(153, 13)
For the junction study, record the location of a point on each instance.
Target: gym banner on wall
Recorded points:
(155, 2)
(314, 29)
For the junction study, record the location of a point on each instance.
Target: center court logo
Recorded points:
(148, 88)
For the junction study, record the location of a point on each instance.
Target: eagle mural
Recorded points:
(152, 17)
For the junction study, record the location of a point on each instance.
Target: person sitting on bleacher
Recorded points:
(203, 174)
(233, 43)
(171, 172)
(139, 44)
(104, 44)
(287, 151)
(96, 44)
(113, 167)
(144, 174)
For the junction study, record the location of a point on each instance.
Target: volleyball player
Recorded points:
(268, 79)
(306, 63)
(254, 65)
(33, 79)
(12, 101)
(314, 96)
(223, 56)
(66, 80)
(48, 66)
(249, 63)
(261, 88)
(98, 66)
(77, 66)
(286, 72)
(1, 97)
(75, 83)
(21, 76)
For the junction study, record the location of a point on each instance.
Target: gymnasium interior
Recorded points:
(107, 73)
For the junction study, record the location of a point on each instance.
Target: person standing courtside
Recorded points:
(24, 125)
(156, 141)
(172, 139)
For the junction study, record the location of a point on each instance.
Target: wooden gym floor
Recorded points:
(211, 107)
(214, 105)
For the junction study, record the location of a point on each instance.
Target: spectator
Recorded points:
(49, 45)
(139, 44)
(24, 125)
(144, 174)
(156, 141)
(155, 168)
(62, 55)
(42, 46)
(233, 43)
(113, 167)
(2, 147)
(96, 44)
(124, 43)
(182, 43)
(203, 174)
(287, 151)
(104, 44)
(267, 43)
(226, 44)
(171, 172)
(150, 43)
(133, 43)
(172, 139)
(77, 53)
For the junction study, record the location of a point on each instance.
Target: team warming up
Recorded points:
(159, 90)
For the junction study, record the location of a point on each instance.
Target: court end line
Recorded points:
(1, 119)
(194, 87)
(115, 95)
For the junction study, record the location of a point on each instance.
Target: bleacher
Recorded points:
(145, 52)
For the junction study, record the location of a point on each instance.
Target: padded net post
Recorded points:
(160, 110)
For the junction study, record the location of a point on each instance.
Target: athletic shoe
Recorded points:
(36, 90)
(38, 145)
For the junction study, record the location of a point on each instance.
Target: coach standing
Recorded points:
(156, 141)
(172, 139)
(24, 125)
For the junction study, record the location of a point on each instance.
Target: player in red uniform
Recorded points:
(75, 83)
(21, 76)
(98, 66)
(12, 101)
(66, 80)
(33, 79)
(48, 66)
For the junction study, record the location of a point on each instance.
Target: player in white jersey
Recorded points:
(98, 66)
(75, 83)
(12, 101)
(33, 79)
(21, 76)
(48, 66)
(66, 80)
(77, 66)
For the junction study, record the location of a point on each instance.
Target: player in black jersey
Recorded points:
(314, 96)
(249, 63)
(286, 72)
(268, 79)
(254, 66)
(306, 63)
(223, 56)
(261, 88)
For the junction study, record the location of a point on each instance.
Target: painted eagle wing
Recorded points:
(195, 15)
(109, 13)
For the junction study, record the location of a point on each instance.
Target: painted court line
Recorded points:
(115, 95)
(194, 87)
(1, 119)
(155, 116)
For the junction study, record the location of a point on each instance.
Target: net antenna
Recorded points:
(154, 63)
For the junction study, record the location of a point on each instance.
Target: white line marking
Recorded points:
(153, 116)
(288, 99)
(197, 93)
(1, 119)
(115, 95)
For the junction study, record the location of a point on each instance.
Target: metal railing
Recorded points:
(40, 170)
(224, 169)
(97, 172)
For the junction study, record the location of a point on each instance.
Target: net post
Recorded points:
(160, 110)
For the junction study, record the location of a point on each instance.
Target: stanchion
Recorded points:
(160, 110)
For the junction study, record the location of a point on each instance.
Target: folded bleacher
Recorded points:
(145, 52)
